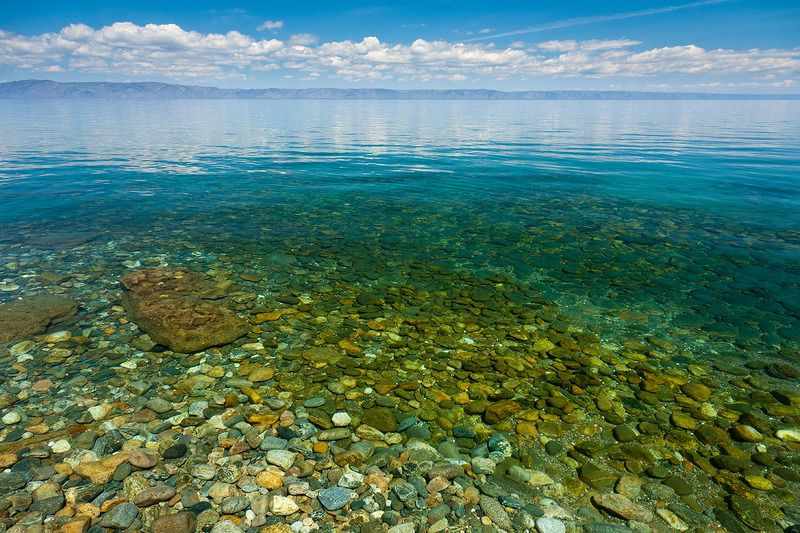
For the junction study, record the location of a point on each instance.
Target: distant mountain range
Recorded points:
(53, 89)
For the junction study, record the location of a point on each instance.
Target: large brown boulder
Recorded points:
(180, 309)
(33, 315)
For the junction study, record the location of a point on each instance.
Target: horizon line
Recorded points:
(351, 88)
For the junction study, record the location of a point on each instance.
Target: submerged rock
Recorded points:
(33, 315)
(180, 309)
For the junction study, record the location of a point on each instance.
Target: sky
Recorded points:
(740, 46)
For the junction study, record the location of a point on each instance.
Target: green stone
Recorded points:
(679, 485)
(597, 477)
(730, 463)
(591, 448)
(624, 433)
(682, 420)
(711, 434)
(380, 418)
(747, 511)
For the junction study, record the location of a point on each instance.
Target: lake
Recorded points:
(543, 271)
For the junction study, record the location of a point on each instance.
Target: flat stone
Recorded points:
(175, 523)
(48, 506)
(234, 504)
(261, 374)
(281, 458)
(154, 495)
(11, 418)
(176, 451)
(404, 491)
(143, 460)
(501, 410)
(282, 506)
(30, 316)
(120, 517)
(746, 433)
(100, 472)
(597, 477)
(334, 498)
(224, 526)
(682, 420)
(747, 511)
(791, 435)
(351, 479)
(495, 511)
(334, 434)
(314, 401)
(341, 419)
(672, 520)
(180, 309)
(696, 391)
(711, 434)
(381, 418)
(620, 506)
(550, 525)
(158, 405)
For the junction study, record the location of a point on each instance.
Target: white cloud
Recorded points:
(167, 50)
(589, 46)
(303, 39)
(270, 25)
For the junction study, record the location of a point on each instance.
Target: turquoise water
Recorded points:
(685, 212)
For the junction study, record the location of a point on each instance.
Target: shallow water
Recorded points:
(584, 260)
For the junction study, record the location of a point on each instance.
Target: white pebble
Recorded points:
(58, 336)
(99, 412)
(341, 419)
(60, 446)
(11, 417)
(792, 435)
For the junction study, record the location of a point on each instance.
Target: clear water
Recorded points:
(674, 219)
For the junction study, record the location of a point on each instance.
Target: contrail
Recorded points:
(579, 21)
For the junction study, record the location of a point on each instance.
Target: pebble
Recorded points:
(316, 401)
(334, 498)
(281, 458)
(154, 495)
(283, 506)
(11, 418)
(341, 419)
(791, 435)
(550, 525)
(60, 446)
(495, 511)
(142, 459)
(622, 507)
(672, 520)
(120, 517)
(159, 405)
(58, 336)
(224, 526)
(176, 451)
(100, 412)
(351, 480)
(234, 504)
(175, 523)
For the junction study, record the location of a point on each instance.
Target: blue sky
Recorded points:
(712, 45)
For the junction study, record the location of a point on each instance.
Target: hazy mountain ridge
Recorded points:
(53, 89)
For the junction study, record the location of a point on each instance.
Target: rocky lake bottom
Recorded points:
(424, 375)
